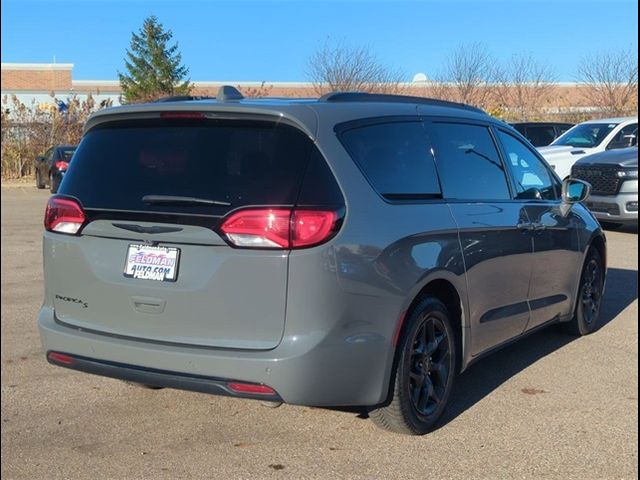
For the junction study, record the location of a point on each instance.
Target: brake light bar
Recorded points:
(63, 215)
(183, 115)
(283, 228)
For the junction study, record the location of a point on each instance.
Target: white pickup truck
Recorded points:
(587, 138)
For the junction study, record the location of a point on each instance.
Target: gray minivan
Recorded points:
(353, 250)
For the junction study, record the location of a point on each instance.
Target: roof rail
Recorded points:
(383, 97)
(227, 92)
(181, 98)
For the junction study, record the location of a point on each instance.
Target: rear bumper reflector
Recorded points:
(164, 378)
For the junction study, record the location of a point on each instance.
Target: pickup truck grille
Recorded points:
(603, 178)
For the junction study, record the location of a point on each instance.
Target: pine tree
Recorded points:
(154, 67)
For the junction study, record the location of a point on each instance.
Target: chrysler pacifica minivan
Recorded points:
(354, 250)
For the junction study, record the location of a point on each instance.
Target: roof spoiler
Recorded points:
(225, 94)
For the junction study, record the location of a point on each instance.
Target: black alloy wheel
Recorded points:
(424, 371)
(589, 298)
(429, 366)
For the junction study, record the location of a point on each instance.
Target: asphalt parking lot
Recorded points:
(549, 406)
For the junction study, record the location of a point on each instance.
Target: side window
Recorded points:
(49, 155)
(395, 158)
(540, 136)
(468, 162)
(627, 137)
(531, 177)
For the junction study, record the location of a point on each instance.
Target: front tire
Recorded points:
(424, 372)
(585, 320)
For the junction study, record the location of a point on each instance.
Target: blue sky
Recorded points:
(272, 41)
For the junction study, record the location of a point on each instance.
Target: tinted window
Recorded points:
(395, 159)
(586, 135)
(66, 153)
(468, 161)
(626, 137)
(541, 135)
(243, 163)
(531, 178)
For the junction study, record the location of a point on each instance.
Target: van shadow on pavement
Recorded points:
(489, 373)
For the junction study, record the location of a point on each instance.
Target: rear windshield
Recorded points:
(66, 153)
(234, 162)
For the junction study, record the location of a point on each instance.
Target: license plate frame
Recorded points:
(151, 262)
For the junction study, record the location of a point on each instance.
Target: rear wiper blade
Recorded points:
(177, 200)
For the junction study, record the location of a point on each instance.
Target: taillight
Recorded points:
(63, 215)
(61, 165)
(279, 227)
(311, 227)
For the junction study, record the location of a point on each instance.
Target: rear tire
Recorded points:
(589, 301)
(39, 183)
(424, 371)
(53, 184)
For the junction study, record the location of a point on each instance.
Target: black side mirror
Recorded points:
(40, 159)
(575, 191)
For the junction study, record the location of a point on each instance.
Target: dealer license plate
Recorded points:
(152, 263)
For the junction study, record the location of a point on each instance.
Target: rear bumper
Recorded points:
(614, 208)
(156, 378)
(315, 371)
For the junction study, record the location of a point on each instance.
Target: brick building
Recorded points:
(43, 83)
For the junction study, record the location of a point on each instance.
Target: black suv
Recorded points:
(541, 134)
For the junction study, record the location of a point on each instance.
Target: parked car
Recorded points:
(614, 178)
(587, 138)
(354, 250)
(51, 167)
(541, 134)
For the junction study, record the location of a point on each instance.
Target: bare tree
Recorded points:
(256, 92)
(468, 76)
(610, 81)
(523, 87)
(340, 67)
(29, 130)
